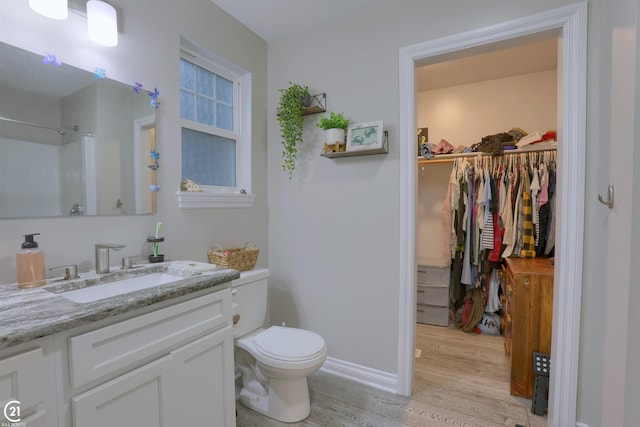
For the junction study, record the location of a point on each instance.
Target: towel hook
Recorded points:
(609, 201)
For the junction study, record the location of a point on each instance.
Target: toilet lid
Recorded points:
(290, 344)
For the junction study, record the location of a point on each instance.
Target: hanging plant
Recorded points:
(291, 123)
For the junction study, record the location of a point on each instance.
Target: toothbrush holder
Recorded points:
(155, 258)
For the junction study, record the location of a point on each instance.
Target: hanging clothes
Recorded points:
(495, 208)
(528, 238)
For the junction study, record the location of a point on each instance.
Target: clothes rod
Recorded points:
(449, 158)
(61, 131)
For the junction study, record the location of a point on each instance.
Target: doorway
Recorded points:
(569, 25)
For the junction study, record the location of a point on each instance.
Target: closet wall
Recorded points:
(464, 113)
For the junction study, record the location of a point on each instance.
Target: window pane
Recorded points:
(224, 90)
(187, 75)
(206, 111)
(208, 159)
(204, 81)
(187, 105)
(224, 116)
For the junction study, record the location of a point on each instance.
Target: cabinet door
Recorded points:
(206, 375)
(142, 397)
(21, 385)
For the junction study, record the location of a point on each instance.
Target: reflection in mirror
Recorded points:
(71, 143)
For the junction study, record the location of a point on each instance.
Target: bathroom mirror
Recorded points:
(72, 142)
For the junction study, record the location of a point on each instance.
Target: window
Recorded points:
(215, 130)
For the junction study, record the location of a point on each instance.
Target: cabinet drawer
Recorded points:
(432, 315)
(129, 343)
(39, 419)
(433, 295)
(434, 276)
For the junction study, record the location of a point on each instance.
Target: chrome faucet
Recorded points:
(102, 256)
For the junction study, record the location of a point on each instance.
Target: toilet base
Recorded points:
(286, 400)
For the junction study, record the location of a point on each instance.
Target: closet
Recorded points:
(461, 102)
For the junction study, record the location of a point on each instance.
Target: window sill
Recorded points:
(207, 200)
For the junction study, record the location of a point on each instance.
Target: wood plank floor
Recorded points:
(460, 380)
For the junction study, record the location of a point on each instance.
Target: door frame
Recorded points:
(569, 24)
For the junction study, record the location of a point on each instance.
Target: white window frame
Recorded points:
(215, 196)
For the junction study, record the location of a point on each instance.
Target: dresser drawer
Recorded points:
(433, 295)
(129, 343)
(434, 276)
(432, 315)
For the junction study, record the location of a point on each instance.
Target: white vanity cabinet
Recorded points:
(168, 367)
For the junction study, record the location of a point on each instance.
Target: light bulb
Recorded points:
(102, 21)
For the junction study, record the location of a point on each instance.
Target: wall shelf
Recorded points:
(383, 150)
(318, 105)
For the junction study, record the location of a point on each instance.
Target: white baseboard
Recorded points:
(581, 425)
(361, 374)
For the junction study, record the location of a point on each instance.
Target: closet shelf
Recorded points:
(449, 158)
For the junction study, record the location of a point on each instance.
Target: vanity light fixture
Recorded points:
(102, 21)
(55, 9)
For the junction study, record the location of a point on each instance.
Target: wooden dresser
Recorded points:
(526, 317)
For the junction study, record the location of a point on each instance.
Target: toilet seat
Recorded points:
(285, 348)
(289, 344)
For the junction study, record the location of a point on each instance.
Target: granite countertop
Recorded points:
(31, 313)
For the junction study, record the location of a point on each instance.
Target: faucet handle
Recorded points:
(70, 272)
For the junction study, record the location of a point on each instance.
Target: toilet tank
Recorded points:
(249, 296)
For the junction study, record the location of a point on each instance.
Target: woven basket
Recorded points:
(240, 259)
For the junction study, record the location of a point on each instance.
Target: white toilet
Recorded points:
(274, 363)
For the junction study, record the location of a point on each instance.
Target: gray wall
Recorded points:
(148, 52)
(334, 228)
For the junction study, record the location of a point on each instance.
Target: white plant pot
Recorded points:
(334, 135)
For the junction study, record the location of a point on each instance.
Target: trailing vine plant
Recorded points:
(291, 123)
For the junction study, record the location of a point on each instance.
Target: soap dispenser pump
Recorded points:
(30, 265)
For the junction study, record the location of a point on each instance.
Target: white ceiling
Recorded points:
(514, 61)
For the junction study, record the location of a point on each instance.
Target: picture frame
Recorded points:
(364, 136)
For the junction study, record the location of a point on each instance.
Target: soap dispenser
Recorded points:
(30, 263)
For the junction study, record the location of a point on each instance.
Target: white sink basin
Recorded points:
(119, 287)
